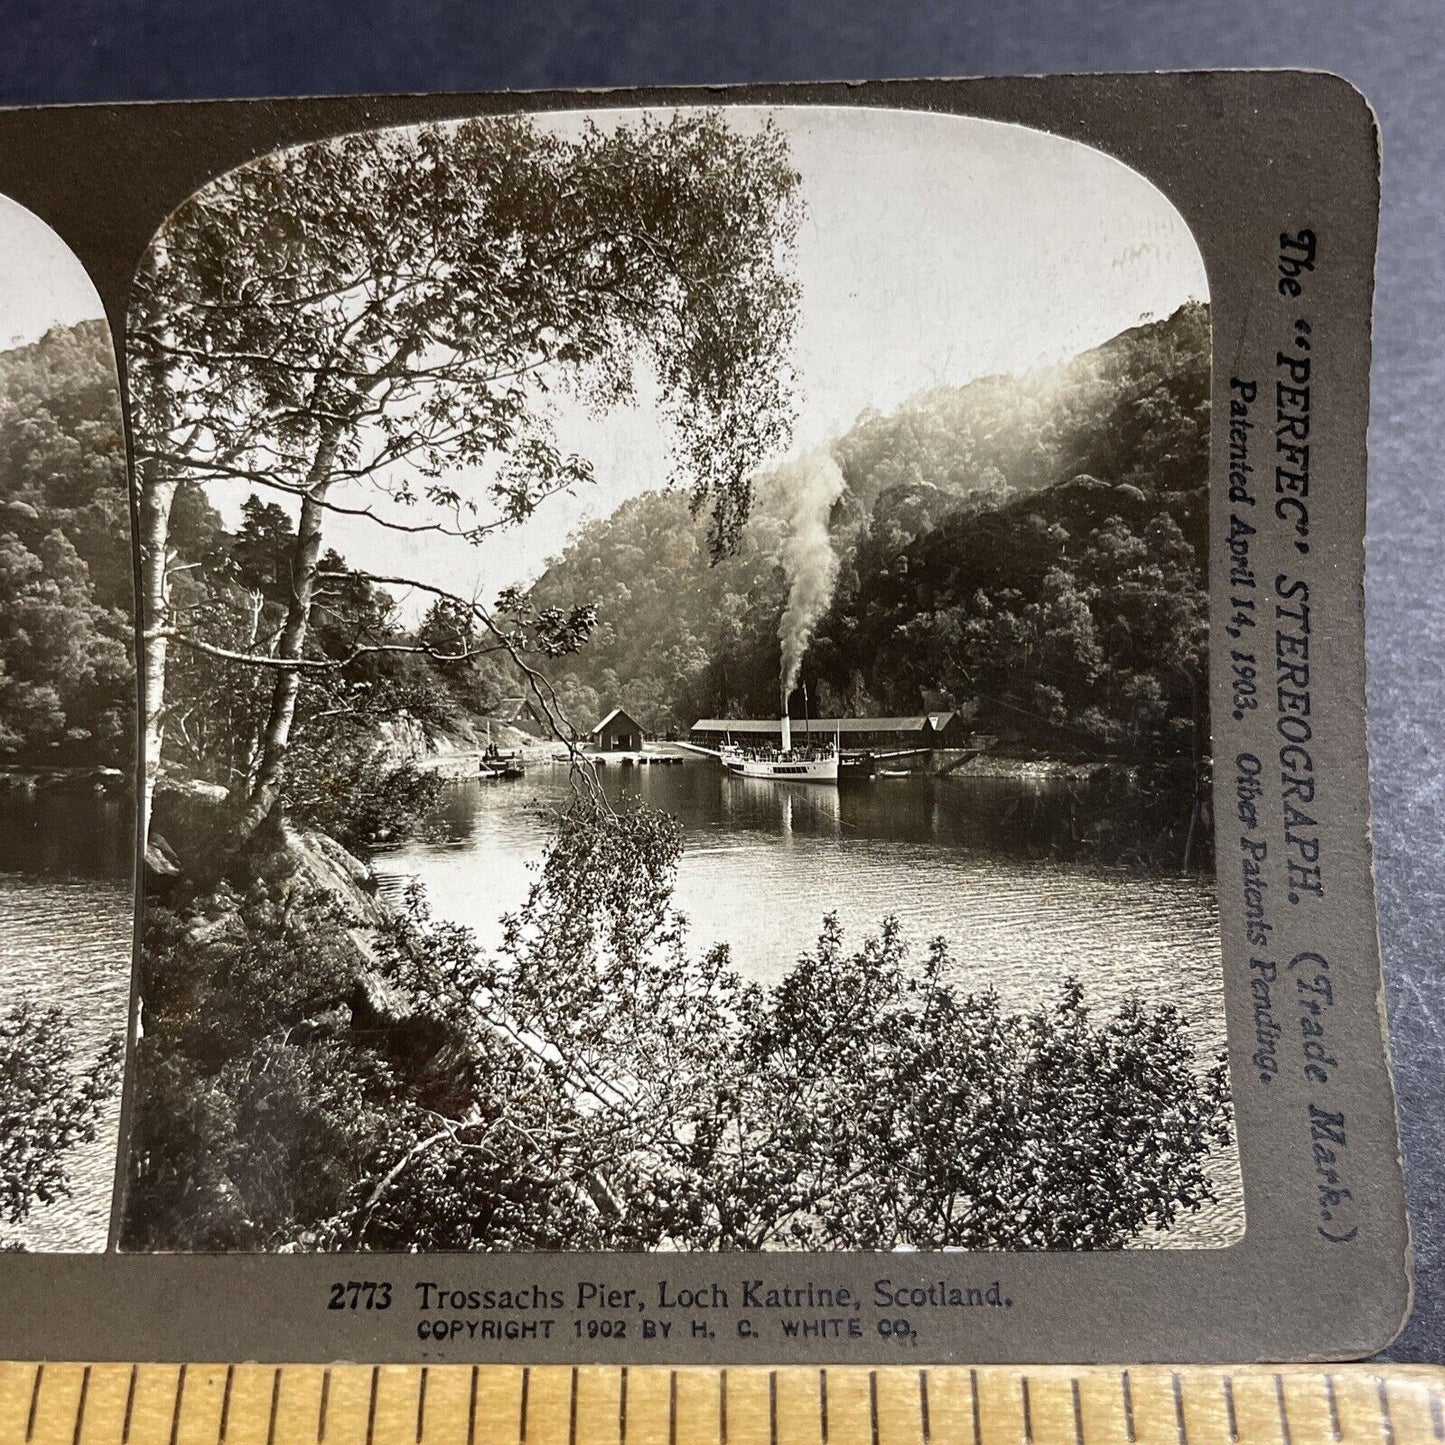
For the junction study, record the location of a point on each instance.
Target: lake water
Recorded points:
(65, 938)
(966, 859)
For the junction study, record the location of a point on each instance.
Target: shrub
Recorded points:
(861, 1103)
(47, 1109)
(597, 1085)
(345, 786)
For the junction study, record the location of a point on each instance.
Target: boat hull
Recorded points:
(784, 769)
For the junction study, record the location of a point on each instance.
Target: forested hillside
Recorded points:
(67, 690)
(1034, 548)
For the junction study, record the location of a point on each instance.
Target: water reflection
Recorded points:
(764, 806)
(60, 832)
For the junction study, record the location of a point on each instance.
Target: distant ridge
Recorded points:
(1119, 430)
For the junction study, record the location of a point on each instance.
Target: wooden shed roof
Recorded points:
(938, 721)
(617, 712)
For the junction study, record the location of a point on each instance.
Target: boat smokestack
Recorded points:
(787, 733)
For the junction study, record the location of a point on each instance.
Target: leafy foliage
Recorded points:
(978, 1129)
(67, 678)
(597, 1085)
(489, 261)
(285, 337)
(47, 1106)
(345, 786)
(1033, 546)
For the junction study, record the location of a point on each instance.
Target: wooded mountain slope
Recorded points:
(1034, 548)
(66, 674)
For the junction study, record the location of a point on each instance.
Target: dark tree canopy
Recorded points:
(66, 633)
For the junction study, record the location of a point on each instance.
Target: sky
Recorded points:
(933, 250)
(41, 283)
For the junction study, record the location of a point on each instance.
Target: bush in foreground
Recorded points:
(46, 1108)
(598, 1085)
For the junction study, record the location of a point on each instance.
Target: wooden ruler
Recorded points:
(120, 1404)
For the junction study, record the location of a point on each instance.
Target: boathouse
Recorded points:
(522, 713)
(618, 732)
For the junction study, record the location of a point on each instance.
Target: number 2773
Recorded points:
(360, 1294)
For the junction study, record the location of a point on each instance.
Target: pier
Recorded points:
(659, 755)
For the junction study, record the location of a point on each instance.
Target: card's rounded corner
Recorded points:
(1405, 1303)
(1372, 1329)
(1349, 101)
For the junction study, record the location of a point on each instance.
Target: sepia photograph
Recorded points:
(675, 701)
(67, 746)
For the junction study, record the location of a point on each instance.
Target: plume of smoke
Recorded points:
(804, 489)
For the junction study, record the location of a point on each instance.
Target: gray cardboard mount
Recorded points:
(1248, 159)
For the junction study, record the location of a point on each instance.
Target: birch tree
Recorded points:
(371, 326)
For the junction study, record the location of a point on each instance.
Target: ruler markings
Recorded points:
(275, 1404)
(130, 1405)
(176, 1411)
(81, 1404)
(697, 1406)
(225, 1405)
(371, 1405)
(34, 1402)
(1284, 1428)
(80, 1408)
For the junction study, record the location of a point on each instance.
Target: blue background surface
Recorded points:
(92, 50)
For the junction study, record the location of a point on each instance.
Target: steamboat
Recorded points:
(807, 764)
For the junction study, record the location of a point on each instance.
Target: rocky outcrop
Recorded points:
(284, 868)
(188, 821)
(403, 739)
(318, 861)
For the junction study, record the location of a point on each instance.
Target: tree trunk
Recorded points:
(276, 737)
(157, 495)
(156, 488)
